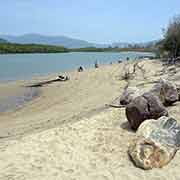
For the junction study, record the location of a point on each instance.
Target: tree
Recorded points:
(171, 41)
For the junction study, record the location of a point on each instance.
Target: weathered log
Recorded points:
(40, 84)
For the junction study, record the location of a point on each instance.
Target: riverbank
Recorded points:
(61, 102)
(69, 133)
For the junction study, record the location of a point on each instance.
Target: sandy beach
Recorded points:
(69, 133)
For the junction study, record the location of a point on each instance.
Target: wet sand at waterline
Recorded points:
(13, 97)
(67, 132)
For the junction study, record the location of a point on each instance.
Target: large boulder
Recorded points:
(157, 143)
(146, 106)
(146, 154)
(129, 94)
(166, 91)
(165, 131)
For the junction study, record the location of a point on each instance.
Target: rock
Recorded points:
(146, 154)
(146, 106)
(155, 107)
(137, 112)
(166, 91)
(178, 90)
(165, 131)
(129, 94)
(157, 143)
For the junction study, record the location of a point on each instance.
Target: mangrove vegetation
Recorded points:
(13, 48)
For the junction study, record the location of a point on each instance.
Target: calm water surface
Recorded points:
(26, 66)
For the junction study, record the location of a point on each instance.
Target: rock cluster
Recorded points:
(158, 136)
(150, 105)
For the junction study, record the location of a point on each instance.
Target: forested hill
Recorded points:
(44, 39)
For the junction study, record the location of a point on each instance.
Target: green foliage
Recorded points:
(87, 49)
(112, 49)
(170, 45)
(6, 48)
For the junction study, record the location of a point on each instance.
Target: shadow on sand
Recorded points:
(126, 126)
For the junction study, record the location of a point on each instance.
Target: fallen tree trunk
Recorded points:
(40, 84)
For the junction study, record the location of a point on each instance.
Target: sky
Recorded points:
(98, 21)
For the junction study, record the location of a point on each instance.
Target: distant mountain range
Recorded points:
(3, 41)
(50, 40)
(62, 41)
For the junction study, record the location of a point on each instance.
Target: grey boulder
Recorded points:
(166, 91)
(147, 106)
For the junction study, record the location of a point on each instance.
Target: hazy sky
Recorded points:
(99, 21)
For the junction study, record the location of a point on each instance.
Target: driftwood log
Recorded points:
(40, 84)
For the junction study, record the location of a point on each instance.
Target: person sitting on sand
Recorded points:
(96, 64)
(80, 69)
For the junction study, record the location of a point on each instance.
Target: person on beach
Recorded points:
(96, 64)
(80, 69)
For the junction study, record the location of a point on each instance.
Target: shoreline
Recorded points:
(84, 93)
(67, 101)
(28, 94)
(14, 97)
(60, 102)
(20, 93)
